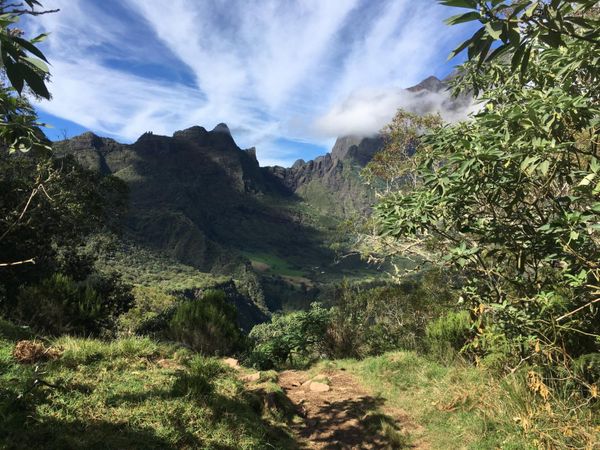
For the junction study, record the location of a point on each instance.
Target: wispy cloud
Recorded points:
(277, 72)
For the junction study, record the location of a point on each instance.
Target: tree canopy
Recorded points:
(511, 197)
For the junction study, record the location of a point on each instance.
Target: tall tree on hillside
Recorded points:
(23, 69)
(511, 198)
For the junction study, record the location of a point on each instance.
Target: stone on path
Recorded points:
(232, 362)
(315, 386)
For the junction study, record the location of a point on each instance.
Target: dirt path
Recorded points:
(340, 414)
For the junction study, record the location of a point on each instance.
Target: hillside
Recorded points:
(432, 284)
(198, 200)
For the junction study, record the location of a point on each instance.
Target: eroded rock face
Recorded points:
(331, 183)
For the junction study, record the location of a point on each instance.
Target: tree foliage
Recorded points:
(511, 197)
(23, 65)
(515, 28)
(289, 338)
(208, 325)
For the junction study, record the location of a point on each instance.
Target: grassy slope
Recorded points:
(126, 394)
(464, 407)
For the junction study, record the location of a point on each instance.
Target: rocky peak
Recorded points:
(194, 134)
(218, 138)
(432, 84)
(86, 140)
(358, 149)
(221, 128)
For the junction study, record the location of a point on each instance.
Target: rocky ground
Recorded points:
(335, 412)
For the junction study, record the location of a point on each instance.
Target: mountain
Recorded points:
(195, 194)
(331, 184)
(198, 199)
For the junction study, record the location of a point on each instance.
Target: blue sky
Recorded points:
(287, 76)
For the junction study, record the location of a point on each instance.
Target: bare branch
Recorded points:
(18, 263)
(578, 309)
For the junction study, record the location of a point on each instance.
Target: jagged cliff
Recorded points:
(196, 195)
(331, 184)
(203, 200)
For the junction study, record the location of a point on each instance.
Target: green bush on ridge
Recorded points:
(59, 305)
(207, 325)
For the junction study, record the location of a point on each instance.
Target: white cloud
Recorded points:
(367, 111)
(267, 68)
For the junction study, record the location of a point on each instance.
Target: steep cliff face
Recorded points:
(195, 195)
(200, 198)
(331, 184)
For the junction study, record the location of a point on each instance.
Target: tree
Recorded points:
(21, 64)
(511, 198)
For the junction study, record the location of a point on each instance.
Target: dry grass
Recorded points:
(32, 352)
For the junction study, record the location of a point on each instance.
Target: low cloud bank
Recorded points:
(366, 112)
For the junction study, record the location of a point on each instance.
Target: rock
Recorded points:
(232, 362)
(315, 386)
(306, 383)
(251, 377)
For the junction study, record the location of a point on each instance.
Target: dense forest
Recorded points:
(434, 286)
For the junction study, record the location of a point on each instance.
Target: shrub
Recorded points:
(587, 367)
(208, 325)
(60, 305)
(448, 334)
(291, 338)
(371, 321)
(150, 306)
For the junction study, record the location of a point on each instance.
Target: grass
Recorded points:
(460, 406)
(273, 265)
(128, 394)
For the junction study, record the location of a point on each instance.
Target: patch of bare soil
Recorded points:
(344, 415)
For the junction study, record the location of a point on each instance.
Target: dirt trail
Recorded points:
(343, 415)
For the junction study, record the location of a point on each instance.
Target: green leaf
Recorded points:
(552, 38)
(517, 57)
(543, 167)
(468, 42)
(525, 62)
(587, 180)
(35, 82)
(30, 47)
(41, 65)
(529, 11)
(460, 3)
(494, 29)
(14, 74)
(461, 18)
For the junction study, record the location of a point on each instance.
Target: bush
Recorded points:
(587, 367)
(199, 380)
(291, 338)
(448, 334)
(208, 325)
(60, 305)
(150, 306)
(367, 322)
